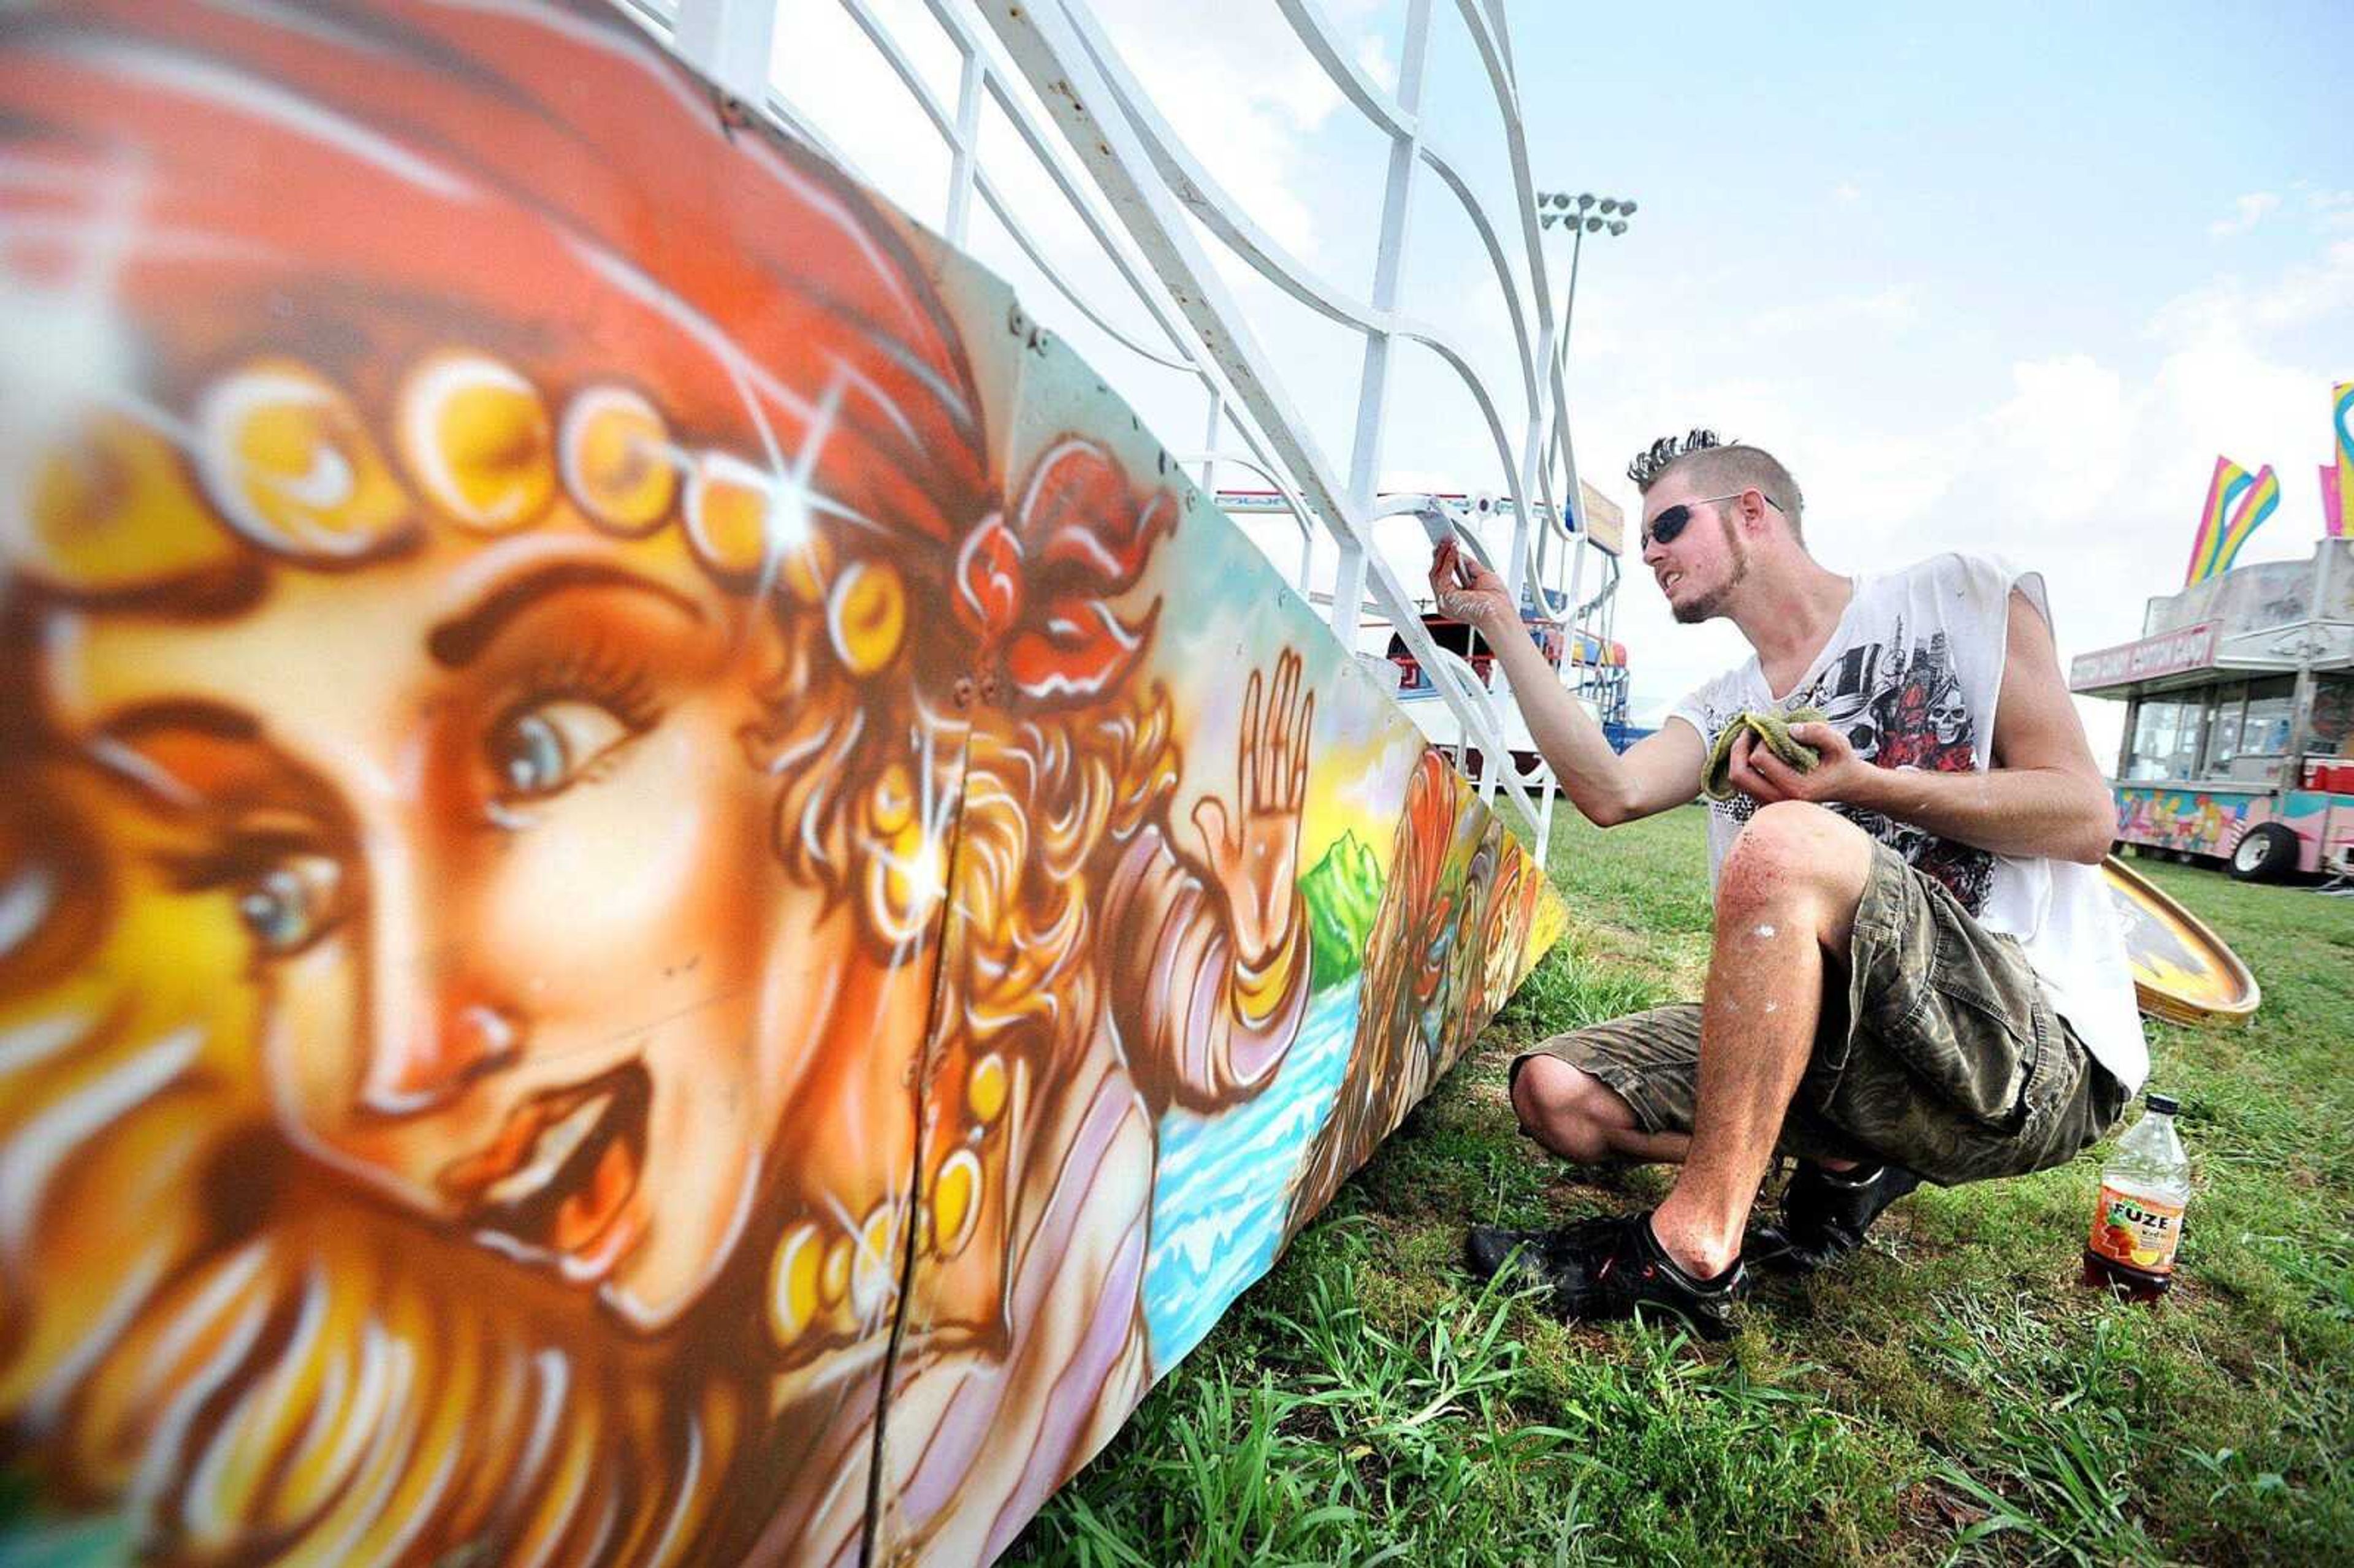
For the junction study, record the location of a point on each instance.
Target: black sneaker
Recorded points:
(1601, 1269)
(1824, 1215)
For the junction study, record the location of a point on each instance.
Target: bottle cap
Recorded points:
(2163, 1104)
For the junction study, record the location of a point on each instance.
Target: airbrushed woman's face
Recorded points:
(486, 817)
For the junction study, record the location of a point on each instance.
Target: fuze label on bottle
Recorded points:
(2138, 1232)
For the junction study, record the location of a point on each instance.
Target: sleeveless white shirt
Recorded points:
(1912, 675)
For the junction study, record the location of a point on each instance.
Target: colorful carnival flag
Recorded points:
(2237, 503)
(2229, 483)
(2338, 481)
(2249, 509)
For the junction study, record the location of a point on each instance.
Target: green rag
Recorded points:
(1771, 727)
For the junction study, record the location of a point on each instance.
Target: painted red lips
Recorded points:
(564, 1165)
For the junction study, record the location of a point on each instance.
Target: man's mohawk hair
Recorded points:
(1649, 465)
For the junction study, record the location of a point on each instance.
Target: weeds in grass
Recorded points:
(1950, 1393)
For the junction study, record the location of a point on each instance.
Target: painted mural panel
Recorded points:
(663, 896)
(2194, 821)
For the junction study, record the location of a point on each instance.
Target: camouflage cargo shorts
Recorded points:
(1939, 1052)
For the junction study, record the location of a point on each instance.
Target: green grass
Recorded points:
(1951, 1395)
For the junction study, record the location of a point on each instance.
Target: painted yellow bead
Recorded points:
(793, 1283)
(478, 441)
(616, 460)
(985, 1088)
(285, 459)
(112, 508)
(867, 615)
(728, 515)
(955, 1202)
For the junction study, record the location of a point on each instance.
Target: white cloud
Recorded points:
(1846, 191)
(1374, 59)
(2246, 213)
(2333, 211)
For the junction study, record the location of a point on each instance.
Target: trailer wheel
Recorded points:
(2266, 853)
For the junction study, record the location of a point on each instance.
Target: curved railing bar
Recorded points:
(988, 189)
(918, 88)
(1307, 20)
(1416, 506)
(1504, 34)
(1486, 404)
(877, 35)
(1480, 702)
(1209, 202)
(1445, 169)
(1055, 57)
(1237, 410)
(937, 112)
(994, 79)
(1317, 37)
(1203, 197)
(1495, 58)
(800, 125)
(1292, 503)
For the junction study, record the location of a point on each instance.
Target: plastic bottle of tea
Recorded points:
(2137, 1219)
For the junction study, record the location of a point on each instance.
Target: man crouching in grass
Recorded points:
(1915, 973)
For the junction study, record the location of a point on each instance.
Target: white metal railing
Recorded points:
(1078, 114)
(1453, 672)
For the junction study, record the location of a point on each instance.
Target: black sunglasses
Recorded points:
(1664, 528)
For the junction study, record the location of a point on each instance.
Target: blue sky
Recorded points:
(2059, 256)
(2000, 278)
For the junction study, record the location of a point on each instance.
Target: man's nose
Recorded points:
(432, 1025)
(446, 1047)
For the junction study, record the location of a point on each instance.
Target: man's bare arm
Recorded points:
(1657, 772)
(2044, 795)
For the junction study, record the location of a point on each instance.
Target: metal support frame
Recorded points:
(1138, 194)
(1374, 379)
(1053, 51)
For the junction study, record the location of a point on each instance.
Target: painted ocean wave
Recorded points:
(1223, 1185)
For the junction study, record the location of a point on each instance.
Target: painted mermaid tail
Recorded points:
(1770, 727)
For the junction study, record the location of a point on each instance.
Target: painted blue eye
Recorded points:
(293, 904)
(542, 749)
(531, 756)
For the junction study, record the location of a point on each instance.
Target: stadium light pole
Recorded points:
(1579, 215)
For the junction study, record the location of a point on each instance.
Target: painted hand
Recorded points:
(1254, 858)
(1468, 592)
(1839, 775)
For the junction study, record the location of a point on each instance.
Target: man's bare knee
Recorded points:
(1795, 853)
(1781, 842)
(1569, 1111)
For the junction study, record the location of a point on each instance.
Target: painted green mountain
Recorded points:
(1343, 892)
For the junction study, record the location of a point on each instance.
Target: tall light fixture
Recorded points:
(1578, 216)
